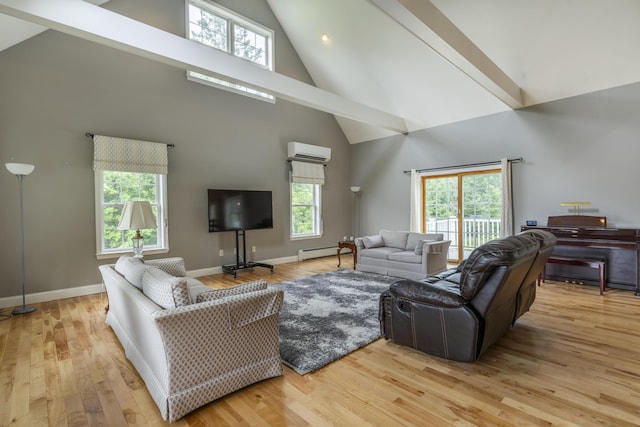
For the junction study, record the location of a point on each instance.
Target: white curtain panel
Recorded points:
(507, 199)
(129, 155)
(415, 211)
(307, 173)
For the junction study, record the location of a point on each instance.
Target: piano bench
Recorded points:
(600, 264)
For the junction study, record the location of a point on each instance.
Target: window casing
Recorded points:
(215, 26)
(306, 211)
(113, 189)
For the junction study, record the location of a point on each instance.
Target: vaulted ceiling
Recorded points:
(427, 63)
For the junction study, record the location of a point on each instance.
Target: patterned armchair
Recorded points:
(192, 354)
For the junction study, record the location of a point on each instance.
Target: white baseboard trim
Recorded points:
(79, 291)
(204, 272)
(51, 295)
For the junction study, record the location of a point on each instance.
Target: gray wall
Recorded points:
(584, 148)
(54, 88)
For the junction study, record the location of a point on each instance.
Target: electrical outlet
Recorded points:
(221, 252)
(253, 249)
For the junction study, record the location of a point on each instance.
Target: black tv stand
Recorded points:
(244, 265)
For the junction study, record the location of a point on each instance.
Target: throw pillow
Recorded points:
(174, 266)
(132, 269)
(413, 238)
(164, 289)
(373, 241)
(234, 290)
(420, 245)
(395, 239)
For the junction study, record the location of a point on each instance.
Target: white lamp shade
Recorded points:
(137, 215)
(19, 168)
(355, 189)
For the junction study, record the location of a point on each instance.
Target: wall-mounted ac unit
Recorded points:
(307, 152)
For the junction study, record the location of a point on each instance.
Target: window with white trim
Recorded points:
(306, 208)
(213, 25)
(113, 189)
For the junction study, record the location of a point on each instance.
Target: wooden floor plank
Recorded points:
(572, 360)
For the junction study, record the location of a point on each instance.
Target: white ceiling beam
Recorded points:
(424, 20)
(89, 22)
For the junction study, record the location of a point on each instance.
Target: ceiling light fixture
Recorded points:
(325, 38)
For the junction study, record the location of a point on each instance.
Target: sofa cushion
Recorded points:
(174, 266)
(414, 237)
(244, 288)
(373, 241)
(378, 253)
(420, 245)
(132, 269)
(164, 289)
(395, 239)
(405, 256)
(196, 288)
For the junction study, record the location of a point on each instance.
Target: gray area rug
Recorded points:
(327, 316)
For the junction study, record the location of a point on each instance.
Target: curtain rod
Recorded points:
(468, 165)
(91, 135)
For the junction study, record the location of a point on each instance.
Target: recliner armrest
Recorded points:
(441, 293)
(450, 275)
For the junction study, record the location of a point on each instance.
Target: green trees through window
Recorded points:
(121, 187)
(215, 26)
(466, 207)
(305, 210)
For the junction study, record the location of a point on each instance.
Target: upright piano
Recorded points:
(583, 236)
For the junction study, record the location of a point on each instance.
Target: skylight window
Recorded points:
(215, 26)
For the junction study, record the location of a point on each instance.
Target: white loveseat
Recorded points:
(403, 254)
(189, 343)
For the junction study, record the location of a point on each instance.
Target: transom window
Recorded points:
(212, 25)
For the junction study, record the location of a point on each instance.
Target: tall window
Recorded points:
(465, 207)
(113, 189)
(220, 28)
(129, 170)
(305, 210)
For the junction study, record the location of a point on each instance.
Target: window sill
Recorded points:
(262, 96)
(109, 255)
(315, 236)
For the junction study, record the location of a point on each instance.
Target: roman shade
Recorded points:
(307, 173)
(129, 155)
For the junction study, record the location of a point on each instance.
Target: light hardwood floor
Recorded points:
(574, 359)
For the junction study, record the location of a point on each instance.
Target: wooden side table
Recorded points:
(348, 245)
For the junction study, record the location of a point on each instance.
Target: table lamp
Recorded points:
(137, 215)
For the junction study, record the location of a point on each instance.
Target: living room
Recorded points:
(56, 87)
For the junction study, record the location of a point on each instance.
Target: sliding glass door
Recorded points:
(465, 207)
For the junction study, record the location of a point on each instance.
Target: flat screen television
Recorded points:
(231, 210)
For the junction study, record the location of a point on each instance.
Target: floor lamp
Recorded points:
(20, 170)
(356, 214)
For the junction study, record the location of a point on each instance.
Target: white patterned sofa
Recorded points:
(405, 254)
(189, 343)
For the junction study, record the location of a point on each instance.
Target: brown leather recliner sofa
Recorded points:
(460, 313)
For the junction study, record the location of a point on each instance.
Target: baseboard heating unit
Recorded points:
(304, 254)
